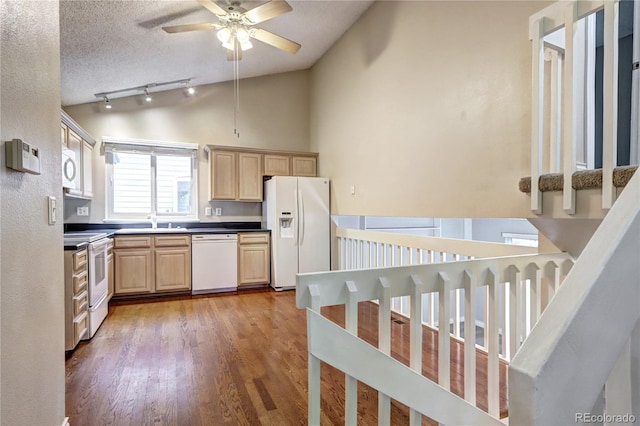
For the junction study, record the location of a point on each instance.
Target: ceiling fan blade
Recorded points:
(190, 27)
(267, 11)
(213, 7)
(275, 40)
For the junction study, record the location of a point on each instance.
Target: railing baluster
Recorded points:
(569, 151)
(314, 365)
(384, 344)
(537, 106)
(515, 300)
(535, 275)
(610, 103)
(469, 337)
(415, 361)
(456, 312)
(444, 336)
(550, 283)
(493, 373)
(341, 250)
(351, 384)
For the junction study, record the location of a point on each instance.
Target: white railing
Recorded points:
(524, 281)
(583, 357)
(566, 130)
(358, 249)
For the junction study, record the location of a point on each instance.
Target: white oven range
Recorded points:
(98, 279)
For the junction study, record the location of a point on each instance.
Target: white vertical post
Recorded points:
(444, 336)
(351, 384)
(535, 276)
(314, 365)
(493, 372)
(568, 143)
(537, 105)
(384, 344)
(552, 281)
(415, 359)
(341, 253)
(610, 103)
(515, 298)
(469, 337)
(555, 108)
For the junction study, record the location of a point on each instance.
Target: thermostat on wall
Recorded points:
(22, 156)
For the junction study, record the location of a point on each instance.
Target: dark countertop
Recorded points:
(144, 229)
(75, 247)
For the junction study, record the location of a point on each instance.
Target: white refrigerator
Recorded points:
(296, 210)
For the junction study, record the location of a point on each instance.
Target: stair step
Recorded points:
(583, 179)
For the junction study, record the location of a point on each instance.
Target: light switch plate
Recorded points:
(207, 211)
(218, 211)
(82, 211)
(51, 201)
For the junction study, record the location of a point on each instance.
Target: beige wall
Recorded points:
(31, 255)
(274, 114)
(424, 107)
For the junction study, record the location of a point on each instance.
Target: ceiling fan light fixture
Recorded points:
(246, 45)
(224, 35)
(242, 35)
(228, 45)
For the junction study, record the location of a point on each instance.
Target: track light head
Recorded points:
(148, 97)
(107, 104)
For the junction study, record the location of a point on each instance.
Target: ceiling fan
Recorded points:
(236, 26)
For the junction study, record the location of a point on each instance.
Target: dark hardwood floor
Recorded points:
(232, 359)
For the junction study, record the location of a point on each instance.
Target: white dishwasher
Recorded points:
(214, 263)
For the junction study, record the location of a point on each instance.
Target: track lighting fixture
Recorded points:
(184, 82)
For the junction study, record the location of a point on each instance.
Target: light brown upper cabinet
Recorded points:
(304, 166)
(237, 173)
(249, 176)
(277, 165)
(224, 175)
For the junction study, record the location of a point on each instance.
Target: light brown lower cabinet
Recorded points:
(152, 264)
(254, 259)
(76, 300)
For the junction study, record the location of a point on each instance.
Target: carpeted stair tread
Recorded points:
(583, 179)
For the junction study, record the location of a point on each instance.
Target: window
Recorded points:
(529, 240)
(150, 178)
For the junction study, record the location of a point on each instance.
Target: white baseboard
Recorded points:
(66, 422)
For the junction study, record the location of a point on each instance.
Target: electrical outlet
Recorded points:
(52, 209)
(353, 190)
(218, 211)
(207, 211)
(82, 211)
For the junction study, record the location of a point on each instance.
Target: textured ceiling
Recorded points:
(110, 45)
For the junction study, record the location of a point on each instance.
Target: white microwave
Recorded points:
(69, 169)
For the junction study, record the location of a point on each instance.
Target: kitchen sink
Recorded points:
(151, 230)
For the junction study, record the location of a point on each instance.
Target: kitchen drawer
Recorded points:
(80, 327)
(253, 238)
(79, 282)
(132, 242)
(173, 240)
(79, 260)
(80, 303)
